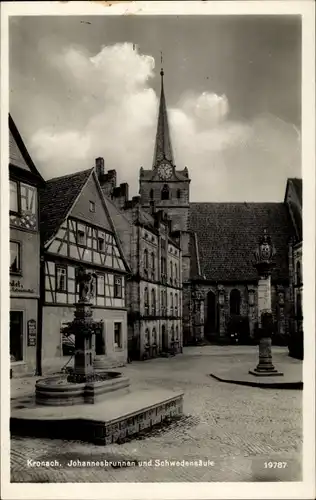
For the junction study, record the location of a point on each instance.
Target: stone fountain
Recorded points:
(84, 384)
(91, 404)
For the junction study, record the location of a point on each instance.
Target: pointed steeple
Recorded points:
(163, 148)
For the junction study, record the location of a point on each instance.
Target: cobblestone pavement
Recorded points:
(237, 427)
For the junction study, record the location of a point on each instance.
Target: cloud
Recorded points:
(111, 111)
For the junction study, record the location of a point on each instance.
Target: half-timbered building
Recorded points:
(77, 230)
(24, 255)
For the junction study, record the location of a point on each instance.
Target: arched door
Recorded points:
(211, 314)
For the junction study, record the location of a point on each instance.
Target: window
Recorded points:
(81, 239)
(146, 301)
(153, 302)
(171, 304)
(145, 258)
(298, 273)
(151, 194)
(146, 339)
(172, 334)
(178, 194)
(117, 287)
(61, 279)
(100, 244)
(171, 272)
(177, 333)
(14, 205)
(16, 336)
(153, 265)
(28, 196)
(165, 192)
(299, 309)
(176, 304)
(162, 305)
(100, 285)
(154, 336)
(91, 206)
(118, 335)
(235, 302)
(175, 273)
(15, 257)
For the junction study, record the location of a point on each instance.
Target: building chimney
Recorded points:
(99, 167)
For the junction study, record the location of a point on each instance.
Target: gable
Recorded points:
(15, 156)
(81, 209)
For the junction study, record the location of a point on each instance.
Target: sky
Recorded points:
(84, 87)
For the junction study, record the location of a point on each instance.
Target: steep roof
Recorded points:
(57, 198)
(163, 148)
(228, 234)
(18, 153)
(298, 186)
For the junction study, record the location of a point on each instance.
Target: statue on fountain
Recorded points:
(86, 283)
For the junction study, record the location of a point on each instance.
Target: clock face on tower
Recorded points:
(165, 171)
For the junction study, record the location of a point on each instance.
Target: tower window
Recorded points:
(165, 192)
(178, 194)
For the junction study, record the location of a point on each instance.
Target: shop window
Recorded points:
(154, 336)
(61, 279)
(15, 257)
(117, 287)
(16, 336)
(118, 335)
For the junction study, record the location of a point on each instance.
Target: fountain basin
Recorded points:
(57, 390)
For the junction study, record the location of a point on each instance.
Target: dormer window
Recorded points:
(91, 206)
(165, 192)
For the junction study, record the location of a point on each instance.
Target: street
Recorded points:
(228, 432)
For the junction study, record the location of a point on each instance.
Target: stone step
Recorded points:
(101, 423)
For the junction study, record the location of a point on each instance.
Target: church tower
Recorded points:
(164, 186)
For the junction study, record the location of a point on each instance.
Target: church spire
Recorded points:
(163, 148)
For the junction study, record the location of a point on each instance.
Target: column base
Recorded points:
(271, 372)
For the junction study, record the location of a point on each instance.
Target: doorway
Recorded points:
(211, 314)
(16, 336)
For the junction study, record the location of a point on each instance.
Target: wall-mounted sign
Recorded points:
(17, 286)
(31, 332)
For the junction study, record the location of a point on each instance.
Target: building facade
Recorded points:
(154, 287)
(24, 181)
(77, 230)
(220, 283)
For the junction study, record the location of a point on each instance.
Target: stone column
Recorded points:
(264, 263)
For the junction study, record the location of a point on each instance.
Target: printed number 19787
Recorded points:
(275, 465)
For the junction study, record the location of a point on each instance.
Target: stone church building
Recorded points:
(218, 242)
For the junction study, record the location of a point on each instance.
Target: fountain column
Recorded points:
(264, 263)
